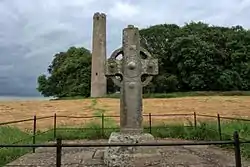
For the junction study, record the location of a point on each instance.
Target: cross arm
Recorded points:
(113, 68)
(150, 67)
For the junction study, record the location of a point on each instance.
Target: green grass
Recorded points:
(171, 95)
(208, 132)
(10, 135)
(92, 130)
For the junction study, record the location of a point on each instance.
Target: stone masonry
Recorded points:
(131, 68)
(135, 63)
(98, 79)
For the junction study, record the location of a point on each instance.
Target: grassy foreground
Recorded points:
(203, 131)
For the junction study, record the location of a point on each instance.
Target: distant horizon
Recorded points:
(11, 97)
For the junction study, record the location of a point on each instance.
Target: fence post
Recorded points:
(237, 149)
(219, 126)
(34, 133)
(58, 152)
(150, 123)
(55, 126)
(102, 125)
(195, 120)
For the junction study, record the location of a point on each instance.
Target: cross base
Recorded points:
(129, 156)
(131, 130)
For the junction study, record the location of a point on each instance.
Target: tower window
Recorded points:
(96, 74)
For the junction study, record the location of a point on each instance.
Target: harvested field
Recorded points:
(231, 106)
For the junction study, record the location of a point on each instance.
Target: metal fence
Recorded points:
(58, 145)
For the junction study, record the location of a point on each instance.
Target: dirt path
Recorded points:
(177, 156)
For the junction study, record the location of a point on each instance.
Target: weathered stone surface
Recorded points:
(129, 156)
(98, 79)
(131, 68)
(135, 63)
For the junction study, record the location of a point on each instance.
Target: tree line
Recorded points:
(193, 57)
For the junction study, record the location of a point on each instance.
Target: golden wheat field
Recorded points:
(234, 106)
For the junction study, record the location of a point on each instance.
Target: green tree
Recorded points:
(193, 57)
(199, 57)
(69, 74)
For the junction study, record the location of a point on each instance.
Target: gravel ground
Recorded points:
(173, 156)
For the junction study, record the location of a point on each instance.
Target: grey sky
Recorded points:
(32, 31)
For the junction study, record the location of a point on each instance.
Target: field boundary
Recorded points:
(58, 145)
(194, 116)
(167, 95)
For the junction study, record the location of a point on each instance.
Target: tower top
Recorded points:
(131, 26)
(98, 15)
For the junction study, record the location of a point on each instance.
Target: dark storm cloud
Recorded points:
(31, 32)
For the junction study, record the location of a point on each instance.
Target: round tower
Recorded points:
(98, 79)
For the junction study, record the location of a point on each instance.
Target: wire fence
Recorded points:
(194, 124)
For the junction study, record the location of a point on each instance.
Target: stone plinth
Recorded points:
(129, 156)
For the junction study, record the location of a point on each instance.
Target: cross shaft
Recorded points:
(131, 68)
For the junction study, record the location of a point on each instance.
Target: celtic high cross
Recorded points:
(135, 63)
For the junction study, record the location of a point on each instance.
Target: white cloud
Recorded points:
(32, 31)
(6, 67)
(123, 11)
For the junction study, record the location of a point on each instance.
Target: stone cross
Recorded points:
(135, 63)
